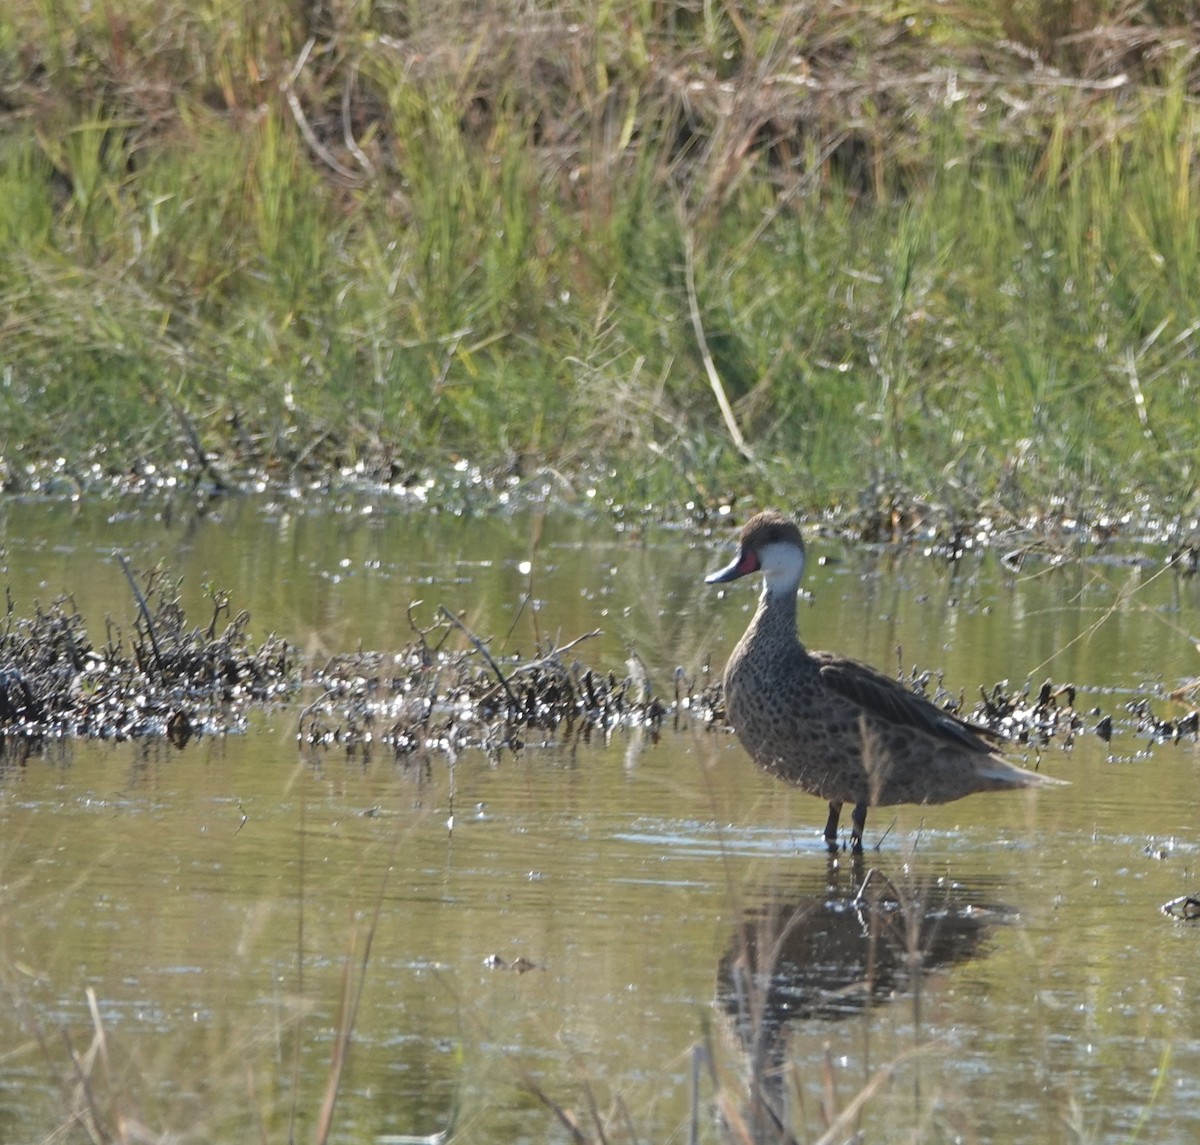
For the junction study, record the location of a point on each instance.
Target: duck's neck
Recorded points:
(773, 628)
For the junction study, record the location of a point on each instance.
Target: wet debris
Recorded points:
(887, 514)
(1051, 716)
(520, 965)
(164, 677)
(1024, 719)
(1023, 532)
(1159, 851)
(1160, 730)
(447, 691)
(1186, 908)
(1015, 714)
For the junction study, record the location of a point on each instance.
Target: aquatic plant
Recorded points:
(432, 698)
(443, 692)
(164, 678)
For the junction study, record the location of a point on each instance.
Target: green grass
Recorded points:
(375, 236)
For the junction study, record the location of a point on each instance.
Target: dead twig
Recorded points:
(481, 648)
(351, 998)
(144, 609)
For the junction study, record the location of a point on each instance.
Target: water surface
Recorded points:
(568, 919)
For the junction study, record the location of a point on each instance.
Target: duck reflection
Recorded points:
(824, 954)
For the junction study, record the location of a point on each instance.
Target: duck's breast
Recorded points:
(791, 726)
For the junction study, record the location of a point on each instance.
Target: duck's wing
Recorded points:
(889, 700)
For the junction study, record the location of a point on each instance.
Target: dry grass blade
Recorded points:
(710, 368)
(341, 1048)
(351, 998)
(564, 1118)
(86, 1109)
(841, 1124)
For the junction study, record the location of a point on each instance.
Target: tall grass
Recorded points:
(394, 237)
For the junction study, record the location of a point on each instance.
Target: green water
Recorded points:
(215, 903)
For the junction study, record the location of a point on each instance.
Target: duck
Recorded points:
(836, 727)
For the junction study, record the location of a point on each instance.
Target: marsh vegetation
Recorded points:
(673, 251)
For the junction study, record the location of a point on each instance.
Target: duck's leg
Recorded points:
(858, 821)
(831, 826)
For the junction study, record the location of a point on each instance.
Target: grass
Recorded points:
(948, 254)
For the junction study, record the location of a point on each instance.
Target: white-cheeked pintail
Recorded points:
(836, 727)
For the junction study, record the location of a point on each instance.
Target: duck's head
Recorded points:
(769, 543)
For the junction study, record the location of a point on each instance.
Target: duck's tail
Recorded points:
(997, 770)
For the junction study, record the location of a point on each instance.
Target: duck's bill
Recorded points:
(744, 564)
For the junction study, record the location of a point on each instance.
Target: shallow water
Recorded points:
(210, 910)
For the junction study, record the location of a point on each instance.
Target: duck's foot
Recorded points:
(858, 822)
(831, 826)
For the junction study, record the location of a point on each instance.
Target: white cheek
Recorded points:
(782, 565)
